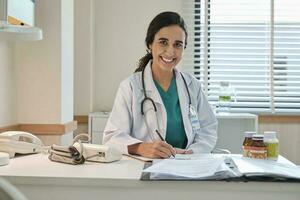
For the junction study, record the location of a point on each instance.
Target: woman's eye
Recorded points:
(178, 45)
(163, 42)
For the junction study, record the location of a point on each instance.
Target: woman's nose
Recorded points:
(170, 50)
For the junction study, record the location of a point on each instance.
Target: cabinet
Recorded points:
(230, 130)
(97, 122)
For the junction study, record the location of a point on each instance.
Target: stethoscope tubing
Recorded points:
(146, 98)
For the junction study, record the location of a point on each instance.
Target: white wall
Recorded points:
(83, 56)
(7, 86)
(39, 69)
(114, 42)
(45, 68)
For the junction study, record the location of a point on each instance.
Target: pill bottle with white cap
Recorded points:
(272, 144)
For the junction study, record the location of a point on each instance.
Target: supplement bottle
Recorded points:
(272, 144)
(258, 147)
(225, 94)
(247, 143)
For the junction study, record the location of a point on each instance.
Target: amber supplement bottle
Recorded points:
(247, 143)
(258, 147)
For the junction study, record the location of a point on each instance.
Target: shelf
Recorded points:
(16, 33)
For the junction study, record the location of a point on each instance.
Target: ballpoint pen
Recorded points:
(162, 139)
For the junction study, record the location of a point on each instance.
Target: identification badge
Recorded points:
(193, 115)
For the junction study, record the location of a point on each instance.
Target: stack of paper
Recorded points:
(218, 167)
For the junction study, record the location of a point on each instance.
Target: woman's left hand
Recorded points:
(183, 151)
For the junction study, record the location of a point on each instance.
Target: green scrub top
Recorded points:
(175, 134)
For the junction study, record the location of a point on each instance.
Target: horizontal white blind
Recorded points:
(286, 74)
(253, 44)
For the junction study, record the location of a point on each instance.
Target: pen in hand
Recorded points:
(162, 139)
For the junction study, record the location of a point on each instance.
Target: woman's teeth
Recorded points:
(167, 60)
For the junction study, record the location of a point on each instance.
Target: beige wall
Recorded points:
(36, 78)
(7, 85)
(109, 46)
(44, 66)
(83, 55)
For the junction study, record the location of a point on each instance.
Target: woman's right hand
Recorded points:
(157, 149)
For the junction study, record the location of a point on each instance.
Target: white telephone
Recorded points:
(13, 142)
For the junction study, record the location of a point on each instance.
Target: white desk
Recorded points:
(40, 179)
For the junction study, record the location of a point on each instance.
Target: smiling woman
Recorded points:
(167, 50)
(160, 111)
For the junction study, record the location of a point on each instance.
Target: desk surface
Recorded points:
(39, 178)
(39, 165)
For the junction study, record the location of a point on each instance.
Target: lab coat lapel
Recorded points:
(160, 117)
(184, 103)
(151, 89)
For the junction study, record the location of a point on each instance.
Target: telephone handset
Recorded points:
(13, 142)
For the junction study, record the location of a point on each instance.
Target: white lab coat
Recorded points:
(126, 125)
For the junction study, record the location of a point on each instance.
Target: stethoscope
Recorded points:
(146, 98)
(193, 115)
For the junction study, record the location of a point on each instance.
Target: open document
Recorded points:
(266, 168)
(200, 167)
(220, 167)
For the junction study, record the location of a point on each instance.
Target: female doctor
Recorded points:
(160, 111)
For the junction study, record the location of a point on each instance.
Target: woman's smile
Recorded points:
(167, 60)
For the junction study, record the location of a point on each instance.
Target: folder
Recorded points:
(222, 167)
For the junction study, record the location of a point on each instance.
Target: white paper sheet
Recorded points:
(204, 167)
(257, 167)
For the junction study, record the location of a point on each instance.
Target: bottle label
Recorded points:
(258, 152)
(246, 151)
(272, 150)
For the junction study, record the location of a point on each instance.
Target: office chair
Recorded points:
(9, 192)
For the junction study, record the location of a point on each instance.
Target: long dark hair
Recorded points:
(161, 20)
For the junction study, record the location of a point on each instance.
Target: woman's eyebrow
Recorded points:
(163, 38)
(166, 39)
(179, 41)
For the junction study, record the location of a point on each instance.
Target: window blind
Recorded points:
(253, 44)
